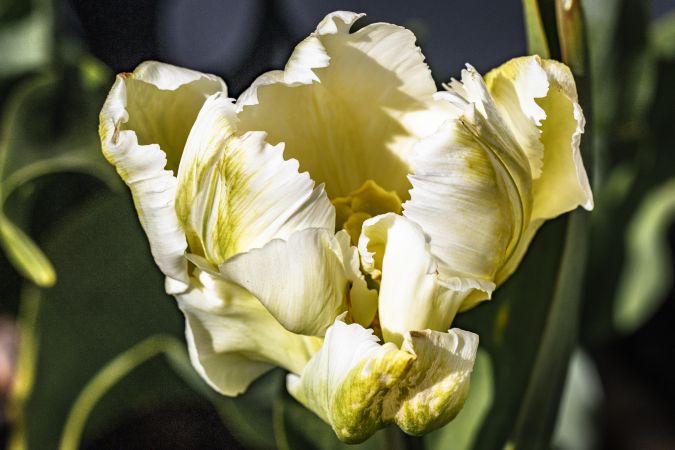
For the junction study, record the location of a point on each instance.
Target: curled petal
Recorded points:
(539, 99)
(348, 106)
(395, 250)
(539, 96)
(301, 281)
(232, 339)
(238, 193)
(357, 385)
(438, 382)
(346, 382)
(144, 124)
(362, 301)
(472, 187)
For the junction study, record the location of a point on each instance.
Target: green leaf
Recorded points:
(25, 41)
(107, 377)
(109, 297)
(662, 36)
(48, 125)
(515, 328)
(26, 257)
(569, 18)
(537, 44)
(461, 433)
(538, 411)
(581, 401)
(647, 274)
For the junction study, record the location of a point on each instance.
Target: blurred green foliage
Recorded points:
(95, 319)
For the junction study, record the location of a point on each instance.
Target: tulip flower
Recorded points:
(425, 202)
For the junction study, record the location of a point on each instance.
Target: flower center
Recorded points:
(365, 202)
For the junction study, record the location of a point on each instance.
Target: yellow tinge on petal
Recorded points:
(358, 386)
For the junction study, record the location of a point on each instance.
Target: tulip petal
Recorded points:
(238, 193)
(395, 250)
(347, 381)
(349, 106)
(362, 301)
(144, 124)
(301, 281)
(232, 339)
(437, 384)
(561, 183)
(471, 187)
(538, 98)
(357, 385)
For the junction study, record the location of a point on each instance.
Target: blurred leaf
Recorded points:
(662, 36)
(296, 427)
(537, 43)
(537, 414)
(48, 125)
(571, 34)
(110, 375)
(532, 314)
(109, 296)
(576, 428)
(647, 275)
(26, 257)
(25, 369)
(630, 158)
(460, 434)
(25, 42)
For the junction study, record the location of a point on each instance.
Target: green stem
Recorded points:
(395, 439)
(106, 378)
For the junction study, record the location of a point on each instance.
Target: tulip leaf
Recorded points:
(107, 377)
(107, 314)
(25, 255)
(48, 125)
(647, 274)
(539, 409)
(25, 41)
(109, 297)
(516, 328)
(662, 36)
(582, 396)
(537, 44)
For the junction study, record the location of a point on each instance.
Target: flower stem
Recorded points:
(395, 439)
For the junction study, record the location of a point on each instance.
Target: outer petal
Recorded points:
(358, 386)
(471, 187)
(347, 381)
(233, 339)
(530, 90)
(238, 193)
(539, 100)
(395, 250)
(144, 124)
(349, 106)
(438, 382)
(301, 281)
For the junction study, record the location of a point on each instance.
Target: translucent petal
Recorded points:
(349, 106)
(144, 124)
